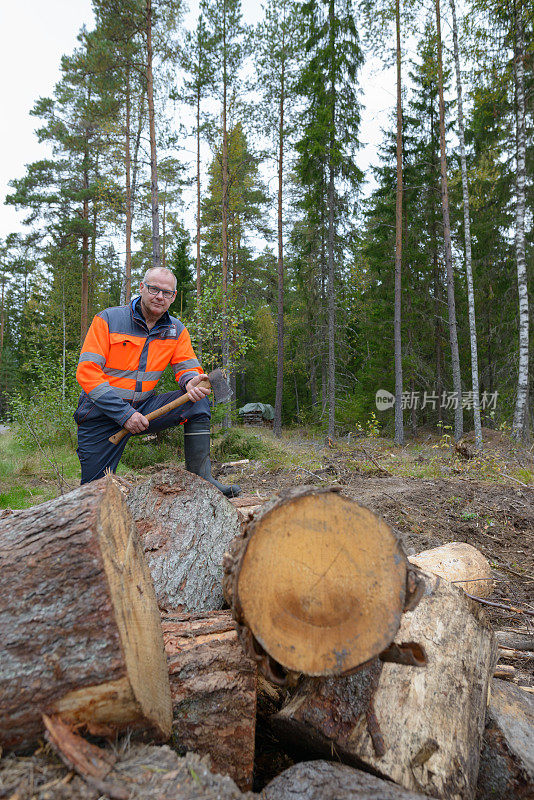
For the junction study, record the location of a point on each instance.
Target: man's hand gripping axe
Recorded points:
(216, 382)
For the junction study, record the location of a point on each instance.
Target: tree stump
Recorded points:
(507, 757)
(460, 563)
(80, 628)
(317, 584)
(213, 689)
(185, 525)
(318, 780)
(423, 726)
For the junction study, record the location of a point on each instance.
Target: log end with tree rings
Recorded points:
(319, 582)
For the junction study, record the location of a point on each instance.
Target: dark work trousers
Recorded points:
(98, 455)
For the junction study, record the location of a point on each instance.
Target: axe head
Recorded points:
(220, 386)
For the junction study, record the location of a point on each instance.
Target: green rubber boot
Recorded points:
(197, 455)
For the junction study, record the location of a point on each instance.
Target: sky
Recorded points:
(34, 34)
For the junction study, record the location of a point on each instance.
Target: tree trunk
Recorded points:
(331, 235)
(507, 757)
(128, 261)
(199, 322)
(213, 690)
(467, 235)
(78, 619)
(277, 425)
(156, 246)
(453, 334)
(423, 727)
(333, 584)
(185, 525)
(521, 422)
(224, 216)
(84, 314)
(318, 780)
(399, 428)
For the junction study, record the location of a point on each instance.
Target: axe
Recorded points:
(216, 381)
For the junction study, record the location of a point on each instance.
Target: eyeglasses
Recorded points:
(167, 294)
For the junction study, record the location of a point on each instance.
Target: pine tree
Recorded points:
(330, 134)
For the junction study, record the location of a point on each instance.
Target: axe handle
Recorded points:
(159, 412)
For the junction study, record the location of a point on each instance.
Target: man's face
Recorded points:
(154, 305)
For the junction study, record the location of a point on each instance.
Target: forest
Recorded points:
(230, 154)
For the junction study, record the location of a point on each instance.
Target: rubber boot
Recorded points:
(197, 455)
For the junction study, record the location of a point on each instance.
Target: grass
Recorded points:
(29, 476)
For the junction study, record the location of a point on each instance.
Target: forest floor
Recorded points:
(428, 491)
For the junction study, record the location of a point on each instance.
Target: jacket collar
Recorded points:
(163, 322)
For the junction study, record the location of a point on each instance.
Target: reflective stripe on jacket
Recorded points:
(121, 360)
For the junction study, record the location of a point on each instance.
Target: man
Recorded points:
(124, 354)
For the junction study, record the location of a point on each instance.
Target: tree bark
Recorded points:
(224, 216)
(404, 733)
(453, 333)
(318, 780)
(277, 425)
(399, 428)
(507, 757)
(78, 619)
(213, 690)
(128, 261)
(331, 234)
(520, 423)
(185, 525)
(156, 245)
(467, 237)
(84, 313)
(333, 584)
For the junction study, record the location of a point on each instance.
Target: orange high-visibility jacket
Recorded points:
(121, 360)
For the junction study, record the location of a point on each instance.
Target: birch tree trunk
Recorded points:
(156, 247)
(277, 424)
(453, 334)
(399, 428)
(467, 234)
(520, 423)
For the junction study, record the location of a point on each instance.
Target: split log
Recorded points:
(247, 505)
(460, 563)
(80, 628)
(507, 758)
(423, 727)
(185, 525)
(317, 584)
(213, 689)
(317, 780)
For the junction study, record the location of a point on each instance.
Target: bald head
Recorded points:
(154, 274)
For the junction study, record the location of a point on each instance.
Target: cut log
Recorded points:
(507, 758)
(460, 563)
(80, 628)
(318, 780)
(140, 772)
(423, 727)
(515, 641)
(185, 525)
(213, 688)
(316, 582)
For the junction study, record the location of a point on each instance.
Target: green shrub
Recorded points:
(235, 444)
